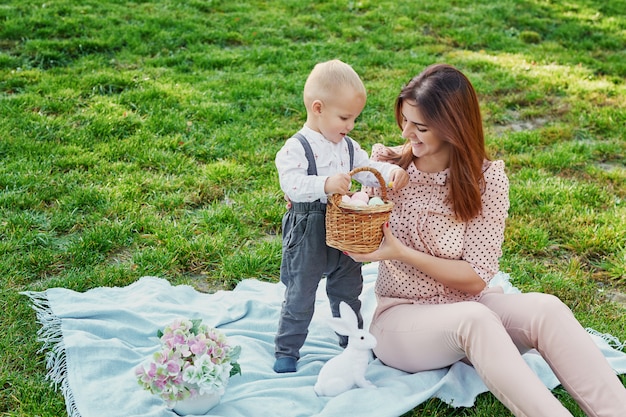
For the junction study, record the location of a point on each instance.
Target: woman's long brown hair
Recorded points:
(448, 102)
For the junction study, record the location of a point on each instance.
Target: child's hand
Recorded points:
(338, 184)
(399, 178)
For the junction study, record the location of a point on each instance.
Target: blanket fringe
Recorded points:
(51, 336)
(611, 340)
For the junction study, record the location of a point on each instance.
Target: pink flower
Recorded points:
(173, 367)
(194, 358)
(198, 347)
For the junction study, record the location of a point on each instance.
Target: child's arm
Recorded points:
(292, 166)
(398, 178)
(391, 173)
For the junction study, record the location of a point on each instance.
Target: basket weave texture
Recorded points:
(357, 229)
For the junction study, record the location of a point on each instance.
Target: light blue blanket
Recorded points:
(94, 340)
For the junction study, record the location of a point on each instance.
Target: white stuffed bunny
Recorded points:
(347, 369)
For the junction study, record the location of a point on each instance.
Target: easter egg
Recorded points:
(358, 203)
(376, 201)
(361, 195)
(346, 199)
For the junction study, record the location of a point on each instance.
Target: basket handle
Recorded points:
(379, 177)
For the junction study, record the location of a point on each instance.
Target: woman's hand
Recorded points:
(389, 248)
(454, 273)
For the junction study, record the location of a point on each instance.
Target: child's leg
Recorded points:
(543, 322)
(344, 283)
(303, 263)
(295, 317)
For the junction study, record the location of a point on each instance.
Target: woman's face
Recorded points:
(424, 141)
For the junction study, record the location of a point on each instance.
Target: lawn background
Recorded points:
(138, 138)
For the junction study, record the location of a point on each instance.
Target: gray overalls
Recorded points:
(305, 259)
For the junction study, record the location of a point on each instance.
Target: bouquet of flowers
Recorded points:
(194, 359)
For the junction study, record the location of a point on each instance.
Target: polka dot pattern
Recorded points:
(423, 220)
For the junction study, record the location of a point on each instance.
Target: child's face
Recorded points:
(335, 118)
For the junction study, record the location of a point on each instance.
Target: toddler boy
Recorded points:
(311, 165)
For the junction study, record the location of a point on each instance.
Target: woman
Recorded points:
(434, 307)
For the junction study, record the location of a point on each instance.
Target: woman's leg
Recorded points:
(415, 337)
(542, 322)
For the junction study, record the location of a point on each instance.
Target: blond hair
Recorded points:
(327, 78)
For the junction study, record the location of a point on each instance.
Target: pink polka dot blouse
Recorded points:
(423, 220)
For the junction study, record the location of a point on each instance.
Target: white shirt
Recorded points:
(331, 158)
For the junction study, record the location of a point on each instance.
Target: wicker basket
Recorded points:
(357, 229)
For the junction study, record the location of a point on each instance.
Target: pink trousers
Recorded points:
(491, 333)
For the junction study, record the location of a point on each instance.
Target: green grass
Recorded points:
(138, 138)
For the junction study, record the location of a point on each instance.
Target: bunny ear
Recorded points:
(347, 323)
(348, 316)
(340, 326)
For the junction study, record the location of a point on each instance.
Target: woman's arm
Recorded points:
(453, 273)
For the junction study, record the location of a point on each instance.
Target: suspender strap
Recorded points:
(308, 152)
(351, 151)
